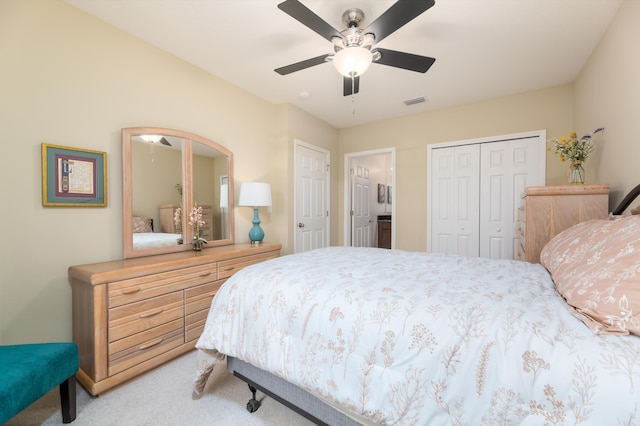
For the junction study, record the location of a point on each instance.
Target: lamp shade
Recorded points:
(255, 194)
(352, 61)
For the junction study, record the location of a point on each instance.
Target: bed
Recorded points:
(144, 236)
(145, 240)
(375, 336)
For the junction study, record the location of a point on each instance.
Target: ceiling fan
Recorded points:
(353, 47)
(155, 139)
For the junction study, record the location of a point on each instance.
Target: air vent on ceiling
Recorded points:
(414, 101)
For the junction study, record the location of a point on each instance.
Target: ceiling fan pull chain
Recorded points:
(353, 95)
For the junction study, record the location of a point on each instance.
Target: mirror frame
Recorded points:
(187, 188)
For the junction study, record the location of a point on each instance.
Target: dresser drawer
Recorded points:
(226, 268)
(135, 289)
(195, 325)
(140, 347)
(198, 298)
(197, 303)
(140, 316)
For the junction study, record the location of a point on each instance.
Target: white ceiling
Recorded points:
(483, 49)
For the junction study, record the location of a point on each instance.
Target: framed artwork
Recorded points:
(73, 177)
(381, 193)
(388, 195)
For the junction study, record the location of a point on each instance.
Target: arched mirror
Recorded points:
(165, 173)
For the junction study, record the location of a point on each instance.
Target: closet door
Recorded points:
(474, 193)
(455, 216)
(506, 168)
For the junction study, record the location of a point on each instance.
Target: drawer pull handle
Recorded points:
(229, 268)
(206, 274)
(131, 290)
(152, 313)
(150, 344)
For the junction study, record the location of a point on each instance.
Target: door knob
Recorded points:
(300, 225)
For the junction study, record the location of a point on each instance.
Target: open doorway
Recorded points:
(369, 179)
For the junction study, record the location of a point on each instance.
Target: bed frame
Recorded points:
(287, 394)
(626, 201)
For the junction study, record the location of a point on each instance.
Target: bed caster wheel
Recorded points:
(253, 405)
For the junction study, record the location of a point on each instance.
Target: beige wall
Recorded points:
(68, 79)
(549, 109)
(607, 94)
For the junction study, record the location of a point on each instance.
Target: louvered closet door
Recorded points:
(506, 168)
(456, 194)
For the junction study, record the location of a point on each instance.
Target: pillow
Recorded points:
(595, 266)
(141, 224)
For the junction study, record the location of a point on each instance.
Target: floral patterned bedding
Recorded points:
(405, 338)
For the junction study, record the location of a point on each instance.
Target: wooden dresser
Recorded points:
(549, 210)
(132, 315)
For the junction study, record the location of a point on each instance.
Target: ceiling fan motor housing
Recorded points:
(352, 17)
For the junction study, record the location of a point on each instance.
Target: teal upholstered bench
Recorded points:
(28, 372)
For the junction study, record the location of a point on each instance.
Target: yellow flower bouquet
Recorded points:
(575, 151)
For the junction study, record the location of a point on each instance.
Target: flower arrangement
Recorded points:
(195, 221)
(575, 151)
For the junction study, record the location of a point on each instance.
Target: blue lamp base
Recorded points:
(256, 234)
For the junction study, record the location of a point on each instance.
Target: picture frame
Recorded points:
(73, 177)
(388, 194)
(381, 193)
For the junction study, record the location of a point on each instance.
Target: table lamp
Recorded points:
(255, 194)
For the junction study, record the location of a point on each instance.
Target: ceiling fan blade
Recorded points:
(396, 16)
(163, 141)
(305, 16)
(351, 86)
(301, 65)
(407, 61)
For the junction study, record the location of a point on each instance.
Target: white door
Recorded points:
(504, 166)
(312, 197)
(361, 206)
(505, 172)
(455, 197)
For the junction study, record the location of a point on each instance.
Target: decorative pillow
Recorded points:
(141, 224)
(595, 266)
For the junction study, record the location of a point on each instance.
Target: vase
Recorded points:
(576, 174)
(197, 244)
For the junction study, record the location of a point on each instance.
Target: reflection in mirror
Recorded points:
(163, 171)
(208, 167)
(156, 172)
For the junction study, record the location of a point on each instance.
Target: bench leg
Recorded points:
(68, 399)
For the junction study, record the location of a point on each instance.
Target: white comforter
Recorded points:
(145, 240)
(403, 338)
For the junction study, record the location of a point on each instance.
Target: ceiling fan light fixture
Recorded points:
(151, 138)
(352, 61)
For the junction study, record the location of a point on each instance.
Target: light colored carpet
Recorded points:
(163, 397)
